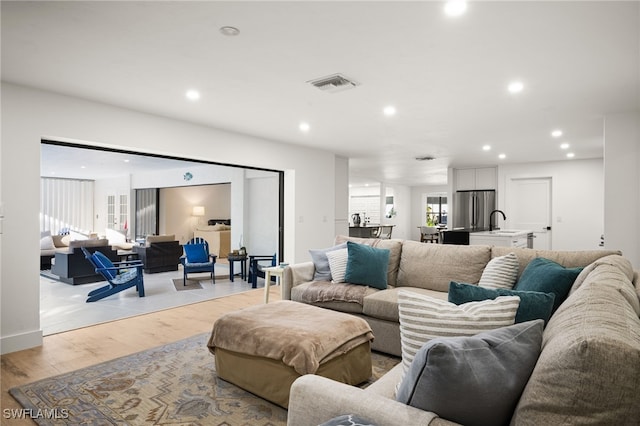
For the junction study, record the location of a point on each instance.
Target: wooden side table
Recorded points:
(274, 271)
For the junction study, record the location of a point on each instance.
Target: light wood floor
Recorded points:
(64, 352)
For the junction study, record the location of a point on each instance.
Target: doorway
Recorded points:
(117, 205)
(528, 206)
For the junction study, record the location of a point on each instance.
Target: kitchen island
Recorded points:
(368, 230)
(503, 237)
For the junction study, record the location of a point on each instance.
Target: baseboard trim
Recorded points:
(18, 342)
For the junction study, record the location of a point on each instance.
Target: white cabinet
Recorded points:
(506, 238)
(486, 178)
(472, 179)
(465, 179)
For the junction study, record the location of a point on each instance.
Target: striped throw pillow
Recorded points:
(500, 272)
(423, 318)
(338, 264)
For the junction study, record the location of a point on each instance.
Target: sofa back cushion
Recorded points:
(58, 241)
(160, 238)
(568, 259)
(589, 368)
(102, 242)
(395, 250)
(434, 266)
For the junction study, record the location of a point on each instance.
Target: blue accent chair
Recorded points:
(256, 268)
(120, 275)
(196, 258)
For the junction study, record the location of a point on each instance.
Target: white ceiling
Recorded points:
(446, 77)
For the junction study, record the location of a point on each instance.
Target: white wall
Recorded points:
(176, 208)
(577, 198)
(30, 115)
(622, 184)
(402, 205)
(262, 231)
(342, 196)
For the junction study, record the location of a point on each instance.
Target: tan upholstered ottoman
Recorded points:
(264, 348)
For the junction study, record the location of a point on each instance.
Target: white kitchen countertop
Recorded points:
(502, 233)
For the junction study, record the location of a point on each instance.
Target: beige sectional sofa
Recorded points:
(588, 370)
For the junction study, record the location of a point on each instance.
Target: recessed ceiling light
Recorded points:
(455, 7)
(564, 146)
(304, 127)
(192, 95)
(229, 31)
(515, 87)
(126, 160)
(556, 133)
(486, 148)
(389, 110)
(502, 156)
(570, 155)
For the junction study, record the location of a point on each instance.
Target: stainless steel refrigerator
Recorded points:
(472, 210)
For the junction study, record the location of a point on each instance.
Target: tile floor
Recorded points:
(63, 306)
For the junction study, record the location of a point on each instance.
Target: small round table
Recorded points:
(242, 258)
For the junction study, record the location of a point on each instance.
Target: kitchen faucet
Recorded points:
(491, 217)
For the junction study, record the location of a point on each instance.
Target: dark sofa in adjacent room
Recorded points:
(161, 253)
(72, 268)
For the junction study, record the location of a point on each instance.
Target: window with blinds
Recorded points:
(66, 204)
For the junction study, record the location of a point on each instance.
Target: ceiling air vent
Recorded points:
(425, 158)
(333, 83)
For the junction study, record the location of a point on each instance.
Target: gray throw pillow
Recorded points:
(347, 420)
(474, 380)
(321, 263)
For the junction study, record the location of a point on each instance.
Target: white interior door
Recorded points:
(528, 206)
(117, 211)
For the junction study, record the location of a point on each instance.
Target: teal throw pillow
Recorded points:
(367, 265)
(473, 380)
(533, 304)
(104, 262)
(196, 253)
(547, 276)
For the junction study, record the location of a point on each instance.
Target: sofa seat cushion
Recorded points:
(384, 304)
(434, 266)
(324, 295)
(589, 368)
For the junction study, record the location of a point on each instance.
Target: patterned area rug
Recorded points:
(174, 384)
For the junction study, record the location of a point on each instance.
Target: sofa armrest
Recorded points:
(295, 275)
(315, 399)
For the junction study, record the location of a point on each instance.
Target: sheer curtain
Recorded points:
(66, 203)
(146, 212)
